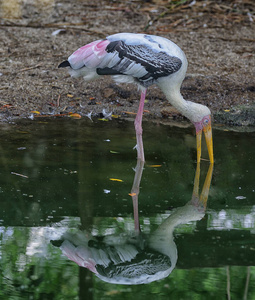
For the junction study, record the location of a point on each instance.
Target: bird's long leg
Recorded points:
(135, 192)
(138, 127)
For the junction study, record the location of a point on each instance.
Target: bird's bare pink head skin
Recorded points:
(200, 116)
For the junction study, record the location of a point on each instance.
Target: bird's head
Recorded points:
(204, 125)
(200, 116)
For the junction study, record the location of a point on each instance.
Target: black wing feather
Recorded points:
(156, 64)
(64, 64)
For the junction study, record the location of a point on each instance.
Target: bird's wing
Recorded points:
(138, 61)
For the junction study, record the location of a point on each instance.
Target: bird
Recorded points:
(145, 60)
(133, 257)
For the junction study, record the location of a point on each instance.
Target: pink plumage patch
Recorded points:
(89, 55)
(80, 255)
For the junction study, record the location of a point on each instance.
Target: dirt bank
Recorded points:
(218, 39)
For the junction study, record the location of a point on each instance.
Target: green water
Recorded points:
(62, 175)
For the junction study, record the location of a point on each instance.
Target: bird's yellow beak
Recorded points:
(209, 142)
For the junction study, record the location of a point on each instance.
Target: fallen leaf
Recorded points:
(52, 104)
(103, 119)
(114, 152)
(70, 95)
(35, 112)
(226, 110)
(75, 116)
(132, 194)
(115, 179)
(6, 106)
(129, 112)
(113, 292)
(23, 132)
(155, 166)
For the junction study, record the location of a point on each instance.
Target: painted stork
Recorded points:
(145, 60)
(135, 257)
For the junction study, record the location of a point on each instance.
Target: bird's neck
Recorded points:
(187, 108)
(175, 98)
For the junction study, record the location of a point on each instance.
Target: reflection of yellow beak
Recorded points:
(202, 199)
(209, 142)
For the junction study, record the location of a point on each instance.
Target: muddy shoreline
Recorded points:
(219, 47)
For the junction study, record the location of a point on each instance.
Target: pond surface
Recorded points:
(67, 191)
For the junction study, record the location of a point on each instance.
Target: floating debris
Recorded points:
(17, 174)
(155, 166)
(89, 116)
(115, 179)
(107, 115)
(240, 197)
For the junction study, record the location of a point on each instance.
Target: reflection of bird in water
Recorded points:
(134, 258)
(145, 60)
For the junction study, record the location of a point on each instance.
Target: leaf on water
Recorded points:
(23, 132)
(155, 166)
(114, 152)
(112, 292)
(115, 179)
(35, 112)
(132, 194)
(18, 174)
(103, 119)
(115, 116)
(240, 197)
(75, 116)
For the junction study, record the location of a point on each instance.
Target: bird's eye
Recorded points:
(206, 121)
